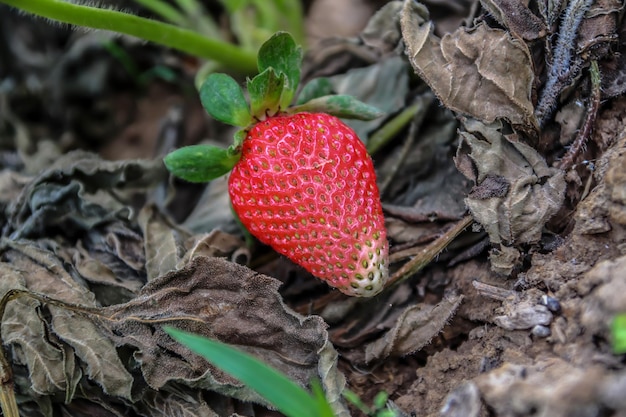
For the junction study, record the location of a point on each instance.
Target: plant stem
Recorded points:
(234, 58)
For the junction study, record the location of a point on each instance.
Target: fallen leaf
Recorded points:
(480, 72)
(218, 299)
(516, 192)
(517, 17)
(414, 329)
(75, 192)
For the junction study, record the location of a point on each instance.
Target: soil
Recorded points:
(454, 339)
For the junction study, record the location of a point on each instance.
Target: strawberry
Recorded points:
(305, 185)
(302, 181)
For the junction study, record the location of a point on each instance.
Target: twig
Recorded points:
(592, 111)
(429, 252)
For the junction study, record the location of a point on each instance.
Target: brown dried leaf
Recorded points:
(74, 193)
(414, 329)
(534, 191)
(222, 300)
(481, 72)
(24, 330)
(162, 242)
(216, 244)
(43, 272)
(613, 69)
(515, 16)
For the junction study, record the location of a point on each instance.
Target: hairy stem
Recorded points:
(234, 58)
(563, 67)
(584, 132)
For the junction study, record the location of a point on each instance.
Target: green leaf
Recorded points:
(281, 53)
(265, 91)
(201, 163)
(315, 88)
(618, 330)
(380, 400)
(287, 396)
(356, 401)
(223, 99)
(343, 106)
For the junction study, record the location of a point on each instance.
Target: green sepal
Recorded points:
(283, 54)
(315, 88)
(343, 106)
(223, 98)
(287, 396)
(265, 92)
(201, 163)
(238, 139)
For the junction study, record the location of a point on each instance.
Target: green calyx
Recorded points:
(201, 163)
(270, 93)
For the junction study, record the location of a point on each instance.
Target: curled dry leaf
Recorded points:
(46, 340)
(516, 192)
(517, 17)
(414, 329)
(481, 72)
(65, 195)
(85, 253)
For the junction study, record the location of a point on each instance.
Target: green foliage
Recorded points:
(281, 53)
(185, 25)
(287, 396)
(223, 98)
(265, 91)
(380, 404)
(339, 105)
(201, 163)
(315, 88)
(618, 331)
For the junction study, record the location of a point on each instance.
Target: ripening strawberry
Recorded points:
(302, 181)
(305, 185)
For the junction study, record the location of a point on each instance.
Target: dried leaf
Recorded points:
(162, 242)
(44, 273)
(516, 192)
(66, 194)
(481, 72)
(515, 16)
(185, 404)
(215, 244)
(414, 329)
(24, 331)
(222, 300)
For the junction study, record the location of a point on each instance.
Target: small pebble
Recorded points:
(552, 303)
(541, 331)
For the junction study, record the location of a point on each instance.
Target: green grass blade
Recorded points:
(618, 331)
(234, 58)
(284, 394)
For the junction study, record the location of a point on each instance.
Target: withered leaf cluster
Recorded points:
(123, 278)
(504, 76)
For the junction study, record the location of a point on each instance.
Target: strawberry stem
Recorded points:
(234, 58)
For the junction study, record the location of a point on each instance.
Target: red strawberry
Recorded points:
(305, 185)
(302, 181)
